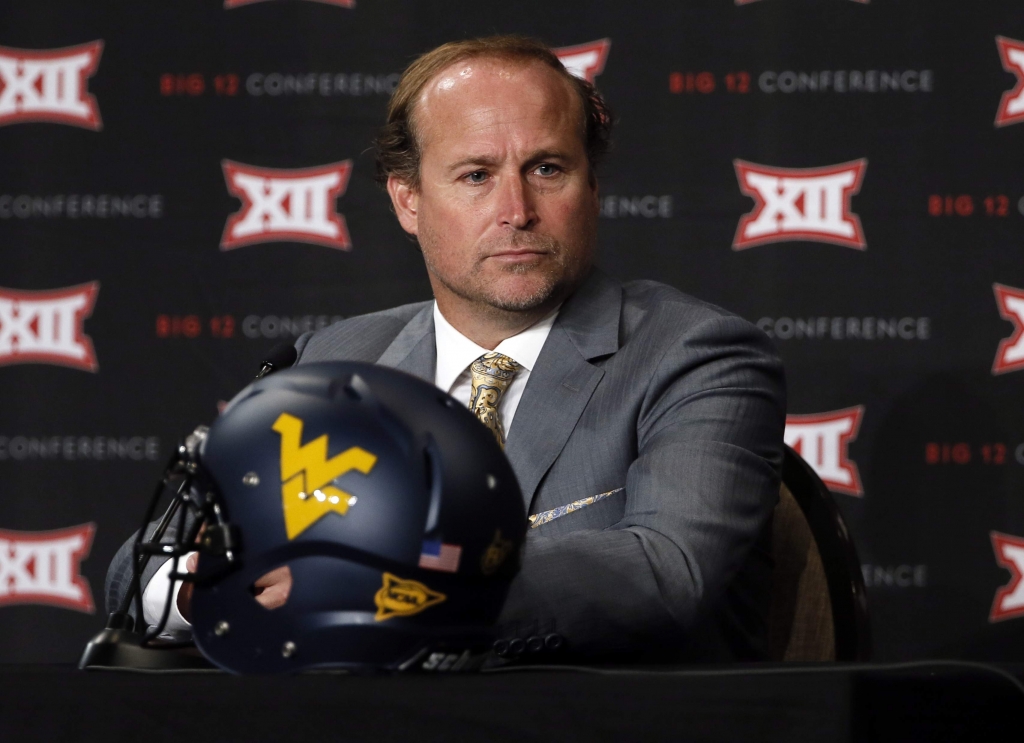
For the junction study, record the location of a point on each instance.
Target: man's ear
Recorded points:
(406, 201)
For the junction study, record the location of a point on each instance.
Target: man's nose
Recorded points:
(515, 203)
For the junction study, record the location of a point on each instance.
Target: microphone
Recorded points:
(279, 357)
(118, 645)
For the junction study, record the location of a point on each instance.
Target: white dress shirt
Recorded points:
(455, 353)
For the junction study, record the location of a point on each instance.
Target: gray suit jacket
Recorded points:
(677, 402)
(639, 387)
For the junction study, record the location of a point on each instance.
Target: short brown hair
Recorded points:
(398, 152)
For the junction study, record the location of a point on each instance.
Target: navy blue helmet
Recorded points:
(396, 511)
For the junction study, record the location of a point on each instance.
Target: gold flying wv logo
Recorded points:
(306, 472)
(403, 598)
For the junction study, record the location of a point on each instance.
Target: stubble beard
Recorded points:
(557, 277)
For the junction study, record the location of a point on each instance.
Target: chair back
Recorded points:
(819, 604)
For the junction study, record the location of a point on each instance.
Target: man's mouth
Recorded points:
(521, 249)
(519, 257)
(517, 252)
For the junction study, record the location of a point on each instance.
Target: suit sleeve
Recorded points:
(698, 494)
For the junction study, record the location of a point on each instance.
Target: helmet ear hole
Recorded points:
(357, 389)
(271, 590)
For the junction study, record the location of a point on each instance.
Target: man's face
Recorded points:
(506, 209)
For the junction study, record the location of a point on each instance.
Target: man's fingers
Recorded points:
(272, 589)
(274, 597)
(277, 575)
(185, 590)
(185, 601)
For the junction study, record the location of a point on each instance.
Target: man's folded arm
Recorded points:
(697, 498)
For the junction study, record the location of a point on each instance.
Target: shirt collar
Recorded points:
(455, 352)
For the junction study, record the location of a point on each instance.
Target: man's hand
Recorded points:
(271, 590)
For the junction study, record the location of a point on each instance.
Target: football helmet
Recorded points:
(397, 513)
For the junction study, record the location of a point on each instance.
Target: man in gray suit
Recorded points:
(645, 426)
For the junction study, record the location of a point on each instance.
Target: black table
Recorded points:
(908, 702)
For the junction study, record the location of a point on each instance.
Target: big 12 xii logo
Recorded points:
(800, 204)
(47, 327)
(49, 85)
(1011, 106)
(585, 60)
(44, 567)
(1010, 354)
(823, 440)
(293, 205)
(1009, 600)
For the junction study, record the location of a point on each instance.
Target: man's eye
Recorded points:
(477, 176)
(546, 169)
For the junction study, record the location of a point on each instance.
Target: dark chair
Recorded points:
(819, 605)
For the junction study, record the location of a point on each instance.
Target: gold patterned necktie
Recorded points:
(492, 374)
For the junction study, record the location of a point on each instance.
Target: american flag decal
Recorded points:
(440, 556)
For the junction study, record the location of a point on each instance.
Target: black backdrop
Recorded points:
(901, 353)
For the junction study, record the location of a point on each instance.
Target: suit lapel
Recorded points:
(563, 380)
(414, 350)
(560, 385)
